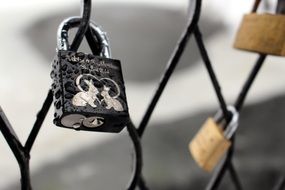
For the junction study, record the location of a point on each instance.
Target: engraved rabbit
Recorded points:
(86, 97)
(111, 101)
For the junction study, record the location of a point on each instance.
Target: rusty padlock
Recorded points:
(89, 91)
(263, 33)
(211, 142)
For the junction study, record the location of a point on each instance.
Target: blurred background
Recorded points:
(143, 34)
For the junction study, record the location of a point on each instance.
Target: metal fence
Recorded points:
(22, 151)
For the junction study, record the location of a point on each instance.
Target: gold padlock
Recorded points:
(262, 33)
(211, 143)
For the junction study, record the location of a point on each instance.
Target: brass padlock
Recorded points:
(263, 33)
(211, 142)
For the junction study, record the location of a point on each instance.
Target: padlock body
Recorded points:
(262, 33)
(89, 92)
(209, 145)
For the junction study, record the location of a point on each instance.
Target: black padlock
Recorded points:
(89, 91)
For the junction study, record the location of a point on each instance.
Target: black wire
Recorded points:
(280, 185)
(39, 121)
(214, 182)
(85, 15)
(216, 85)
(10, 136)
(92, 41)
(219, 173)
(142, 184)
(24, 165)
(138, 155)
(255, 6)
(241, 97)
(217, 177)
(173, 61)
(18, 150)
(223, 105)
(233, 174)
(280, 8)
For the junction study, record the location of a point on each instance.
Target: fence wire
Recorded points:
(22, 152)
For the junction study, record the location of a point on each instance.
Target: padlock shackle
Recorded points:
(280, 7)
(233, 124)
(71, 22)
(231, 127)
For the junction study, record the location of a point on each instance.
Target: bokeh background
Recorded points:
(143, 34)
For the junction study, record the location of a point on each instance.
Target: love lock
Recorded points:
(263, 33)
(211, 142)
(89, 91)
